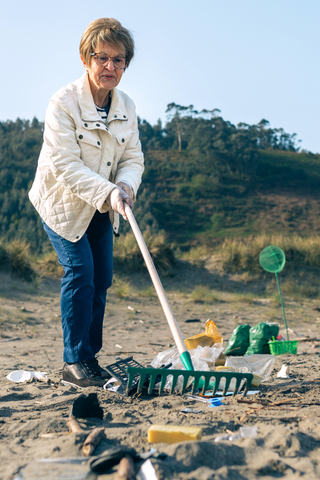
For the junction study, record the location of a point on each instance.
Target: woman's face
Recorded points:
(105, 77)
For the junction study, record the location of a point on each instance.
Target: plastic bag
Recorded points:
(206, 339)
(260, 365)
(202, 358)
(260, 335)
(239, 341)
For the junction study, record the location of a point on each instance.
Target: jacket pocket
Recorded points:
(122, 140)
(90, 146)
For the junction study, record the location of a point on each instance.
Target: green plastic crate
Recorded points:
(283, 348)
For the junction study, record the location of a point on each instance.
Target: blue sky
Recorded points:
(252, 59)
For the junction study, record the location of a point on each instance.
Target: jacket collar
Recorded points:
(88, 109)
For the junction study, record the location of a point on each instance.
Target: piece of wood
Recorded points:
(126, 469)
(74, 425)
(92, 441)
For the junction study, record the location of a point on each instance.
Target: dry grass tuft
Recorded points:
(127, 253)
(243, 255)
(15, 258)
(204, 294)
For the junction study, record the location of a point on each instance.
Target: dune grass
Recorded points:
(243, 255)
(15, 258)
(127, 254)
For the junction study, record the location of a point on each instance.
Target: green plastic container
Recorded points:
(283, 348)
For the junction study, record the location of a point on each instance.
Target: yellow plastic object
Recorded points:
(171, 434)
(255, 381)
(206, 339)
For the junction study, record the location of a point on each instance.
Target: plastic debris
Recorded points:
(19, 376)
(202, 358)
(248, 432)
(130, 308)
(245, 432)
(206, 339)
(260, 365)
(215, 402)
(284, 371)
(109, 385)
(191, 410)
(146, 471)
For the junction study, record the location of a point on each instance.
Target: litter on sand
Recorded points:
(146, 471)
(19, 376)
(244, 432)
(191, 410)
(284, 371)
(215, 402)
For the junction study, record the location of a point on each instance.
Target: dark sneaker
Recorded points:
(83, 374)
(103, 372)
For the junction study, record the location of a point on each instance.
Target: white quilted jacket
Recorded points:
(82, 158)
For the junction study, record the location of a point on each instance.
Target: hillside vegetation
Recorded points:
(205, 180)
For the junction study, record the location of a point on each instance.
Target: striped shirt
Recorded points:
(103, 112)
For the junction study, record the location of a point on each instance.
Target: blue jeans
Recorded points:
(88, 266)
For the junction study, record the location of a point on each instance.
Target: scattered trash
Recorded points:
(130, 308)
(259, 336)
(86, 406)
(207, 339)
(56, 469)
(202, 358)
(109, 385)
(10, 339)
(245, 432)
(141, 321)
(284, 371)
(215, 402)
(19, 376)
(199, 399)
(173, 434)
(112, 457)
(259, 365)
(248, 432)
(190, 410)
(146, 471)
(91, 440)
(193, 320)
(118, 346)
(126, 469)
(239, 341)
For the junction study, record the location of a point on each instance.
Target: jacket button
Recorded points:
(109, 163)
(122, 140)
(85, 124)
(115, 116)
(98, 143)
(97, 124)
(124, 116)
(81, 137)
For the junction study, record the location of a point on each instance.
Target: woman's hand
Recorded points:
(117, 199)
(126, 187)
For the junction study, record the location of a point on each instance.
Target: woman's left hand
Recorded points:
(126, 187)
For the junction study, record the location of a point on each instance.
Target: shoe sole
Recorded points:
(64, 382)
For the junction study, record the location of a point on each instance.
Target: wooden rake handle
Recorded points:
(156, 282)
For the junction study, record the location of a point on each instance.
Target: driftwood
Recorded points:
(125, 469)
(92, 440)
(263, 405)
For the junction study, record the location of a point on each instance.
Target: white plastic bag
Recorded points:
(202, 359)
(19, 376)
(260, 365)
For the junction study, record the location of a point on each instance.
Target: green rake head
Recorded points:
(200, 380)
(272, 259)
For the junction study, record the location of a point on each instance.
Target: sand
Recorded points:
(33, 416)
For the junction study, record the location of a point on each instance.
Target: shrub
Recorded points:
(127, 253)
(15, 257)
(243, 255)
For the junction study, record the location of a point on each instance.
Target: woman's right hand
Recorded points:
(116, 200)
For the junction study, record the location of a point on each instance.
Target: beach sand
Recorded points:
(33, 416)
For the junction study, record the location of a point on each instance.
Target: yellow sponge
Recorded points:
(171, 434)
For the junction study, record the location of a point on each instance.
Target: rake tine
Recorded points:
(237, 386)
(206, 383)
(227, 384)
(152, 382)
(141, 382)
(185, 383)
(163, 382)
(174, 382)
(130, 379)
(246, 388)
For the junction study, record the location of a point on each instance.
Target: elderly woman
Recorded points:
(90, 165)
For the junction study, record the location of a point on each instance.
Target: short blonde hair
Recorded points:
(106, 30)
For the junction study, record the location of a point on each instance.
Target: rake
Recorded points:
(199, 379)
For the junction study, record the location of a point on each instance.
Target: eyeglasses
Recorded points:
(103, 60)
